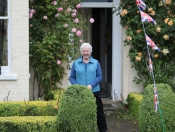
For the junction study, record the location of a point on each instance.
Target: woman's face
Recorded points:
(86, 53)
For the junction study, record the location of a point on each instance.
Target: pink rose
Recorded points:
(57, 15)
(74, 10)
(74, 30)
(32, 11)
(78, 6)
(78, 33)
(60, 9)
(73, 14)
(31, 25)
(58, 62)
(65, 25)
(30, 15)
(81, 41)
(54, 2)
(45, 17)
(91, 20)
(76, 20)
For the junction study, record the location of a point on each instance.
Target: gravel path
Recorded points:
(116, 124)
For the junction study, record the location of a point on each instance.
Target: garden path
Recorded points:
(115, 121)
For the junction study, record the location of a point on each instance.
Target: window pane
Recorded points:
(3, 7)
(97, 0)
(3, 43)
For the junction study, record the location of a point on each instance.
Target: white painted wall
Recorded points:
(128, 73)
(33, 85)
(19, 89)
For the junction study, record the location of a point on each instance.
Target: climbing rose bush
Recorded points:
(163, 12)
(55, 34)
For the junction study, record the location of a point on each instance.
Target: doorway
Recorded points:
(109, 54)
(100, 37)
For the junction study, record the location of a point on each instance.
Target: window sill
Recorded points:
(8, 77)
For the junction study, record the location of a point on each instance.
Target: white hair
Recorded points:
(86, 45)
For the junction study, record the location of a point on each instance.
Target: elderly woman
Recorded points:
(87, 71)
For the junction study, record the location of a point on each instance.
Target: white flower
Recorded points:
(165, 51)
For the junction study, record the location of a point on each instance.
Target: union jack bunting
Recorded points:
(141, 5)
(151, 43)
(146, 18)
(155, 48)
(150, 66)
(156, 100)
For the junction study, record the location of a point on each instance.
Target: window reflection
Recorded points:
(3, 34)
(3, 7)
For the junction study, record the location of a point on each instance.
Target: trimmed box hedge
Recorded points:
(28, 124)
(77, 111)
(162, 120)
(28, 108)
(134, 100)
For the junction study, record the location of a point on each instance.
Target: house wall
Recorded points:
(33, 85)
(18, 89)
(128, 73)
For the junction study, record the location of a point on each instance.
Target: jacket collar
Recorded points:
(80, 59)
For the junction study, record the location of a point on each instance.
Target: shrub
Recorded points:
(134, 100)
(77, 111)
(30, 108)
(28, 124)
(54, 94)
(151, 121)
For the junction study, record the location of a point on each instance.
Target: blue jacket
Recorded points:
(86, 74)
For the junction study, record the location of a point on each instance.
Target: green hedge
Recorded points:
(77, 111)
(28, 124)
(151, 121)
(54, 94)
(134, 100)
(29, 108)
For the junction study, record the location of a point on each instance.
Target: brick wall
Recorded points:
(19, 89)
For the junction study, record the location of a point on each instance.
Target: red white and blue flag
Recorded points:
(150, 65)
(156, 100)
(155, 48)
(141, 5)
(151, 43)
(146, 18)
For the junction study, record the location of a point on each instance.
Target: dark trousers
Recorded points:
(101, 119)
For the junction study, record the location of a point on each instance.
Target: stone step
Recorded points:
(108, 101)
(110, 106)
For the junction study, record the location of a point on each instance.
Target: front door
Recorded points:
(106, 46)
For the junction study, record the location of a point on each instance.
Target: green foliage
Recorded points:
(162, 34)
(28, 124)
(77, 112)
(51, 41)
(134, 100)
(30, 108)
(151, 121)
(54, 94)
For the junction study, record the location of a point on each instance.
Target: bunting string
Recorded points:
(146, 18)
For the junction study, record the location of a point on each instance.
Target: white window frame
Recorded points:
(6, 70)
